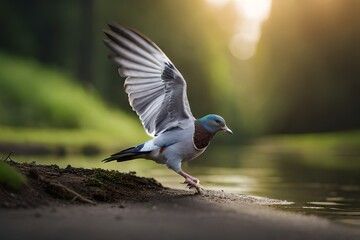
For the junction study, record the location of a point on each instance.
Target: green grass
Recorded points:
(72, 139)
(43, 105)
(10, 177)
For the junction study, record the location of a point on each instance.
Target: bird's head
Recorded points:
(214, 123)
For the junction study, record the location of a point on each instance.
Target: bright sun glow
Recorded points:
(254, 9)
(248, 30)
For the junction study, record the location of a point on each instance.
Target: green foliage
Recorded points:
(303, 78)
(73, 42)
(38, 104)
(10, 177)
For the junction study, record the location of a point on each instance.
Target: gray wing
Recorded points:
(156, 89)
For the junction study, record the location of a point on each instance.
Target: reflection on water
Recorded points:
(315, 187)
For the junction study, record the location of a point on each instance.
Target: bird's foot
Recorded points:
(195, 180)
(194, 183)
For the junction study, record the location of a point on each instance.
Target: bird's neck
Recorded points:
(202, 136)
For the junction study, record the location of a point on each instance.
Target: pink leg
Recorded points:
(191, 181)
(185, 175)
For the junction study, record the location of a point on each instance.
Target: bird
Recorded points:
(157, 93)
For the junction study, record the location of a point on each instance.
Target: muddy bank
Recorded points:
(77, 203)
(53, 186)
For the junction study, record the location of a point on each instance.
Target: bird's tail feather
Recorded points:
(127, 154)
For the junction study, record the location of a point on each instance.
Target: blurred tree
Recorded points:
(307, 65)
(86, 40)
(303, 78)
(68, 34)
(47, 31)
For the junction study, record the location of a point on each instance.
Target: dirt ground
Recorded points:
(77, 203)
(49, 185)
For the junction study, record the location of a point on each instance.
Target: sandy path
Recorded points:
(214, 216)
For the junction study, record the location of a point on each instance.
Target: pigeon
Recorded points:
(157, 93)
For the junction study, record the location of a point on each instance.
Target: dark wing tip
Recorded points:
(114, 25)
(107, 32)
(126, 30)
(119, 29)
(107, 42)
(109, 159)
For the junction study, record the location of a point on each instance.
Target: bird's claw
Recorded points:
(195, 180)
(194, 183)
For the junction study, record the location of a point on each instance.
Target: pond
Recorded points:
(326, 185)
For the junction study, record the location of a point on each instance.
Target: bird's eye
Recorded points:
(218, 121)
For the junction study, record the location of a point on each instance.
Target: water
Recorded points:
(323, 185)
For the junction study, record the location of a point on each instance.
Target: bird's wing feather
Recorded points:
(156, 89)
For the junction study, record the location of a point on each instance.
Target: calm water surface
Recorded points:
(323, 185)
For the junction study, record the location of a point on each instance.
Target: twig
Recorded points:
(56, 187)
(75, 195)
(8, 157)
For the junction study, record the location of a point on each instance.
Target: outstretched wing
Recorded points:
(156, 89)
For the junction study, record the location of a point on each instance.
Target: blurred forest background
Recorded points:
(57, 85)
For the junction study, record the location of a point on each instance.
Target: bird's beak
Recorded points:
(226, 129)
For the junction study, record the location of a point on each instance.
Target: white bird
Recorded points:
(157, 93)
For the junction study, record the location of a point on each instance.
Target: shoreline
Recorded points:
(126, 206)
